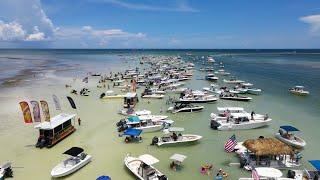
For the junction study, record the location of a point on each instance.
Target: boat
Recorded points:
(130, 100)
(6, 171)
(236, 118)
(132, 112)
(211, 77)
(148, 93)
(234, 97)
(196, 97)
(287, 135)
(142, 167)
(299, 90)
(184, 107)
(261, 152)
(297, 174)
(233, 81)
(132, 135)
(254, 91)
(77, 160)
(104, 178)
(53, 131)
(147, 125)
(267, 173)
(174, 138)
(222, 72)
(111, 95)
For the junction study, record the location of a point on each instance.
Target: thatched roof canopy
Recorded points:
(267, 146)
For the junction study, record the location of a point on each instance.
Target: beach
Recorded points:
(38, 74)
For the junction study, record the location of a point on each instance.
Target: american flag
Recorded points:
(230, 144)
(254, 174)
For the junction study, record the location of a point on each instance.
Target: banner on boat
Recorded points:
(45, 110)
(26, 112)
(36, 111)
(56, 102)
(73, 105)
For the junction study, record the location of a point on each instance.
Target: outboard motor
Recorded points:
(243, 162)
(291, 174)
(155, 140)
(120, 123)
(214, 124)
(122, 128)
(41, 143)
(163, 177)
(102, 95)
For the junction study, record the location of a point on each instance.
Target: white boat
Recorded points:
(211, 77)
(246, 84)
(131, 112)
(287, 135)
(234, 97)
(174, 138)
(222, 72)
(184, 107)
(142, 167)
(197, 97)
(267, 173)
(77, 160)
(299, 90)
(111, 95)
(254, 91)
(235, 118)
(144, 124)
(233, 81)
(152, 96)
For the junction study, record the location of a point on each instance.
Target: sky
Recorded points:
(198, 24)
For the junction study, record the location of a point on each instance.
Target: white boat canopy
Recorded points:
(131, 95)
(109, 92)
(55, 121)
(299, 87)
(178, 157)
(269, 172)
(148, 159)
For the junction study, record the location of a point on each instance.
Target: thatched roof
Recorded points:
(267, 146)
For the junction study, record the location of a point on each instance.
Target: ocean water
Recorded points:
(42, 73)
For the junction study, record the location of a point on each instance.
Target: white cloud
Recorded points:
(29, 15)
(181, 7)
(12, 31)
(36, 35)
(313, 21)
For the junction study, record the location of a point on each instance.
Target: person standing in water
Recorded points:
(79, 121)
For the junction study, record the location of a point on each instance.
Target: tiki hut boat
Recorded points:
(267, 152)
(58, 128)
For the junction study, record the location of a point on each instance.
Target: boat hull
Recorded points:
(188, 138)
(299, 144)
(195, 109)
(60, 171)
(236, 99)
(243, 125)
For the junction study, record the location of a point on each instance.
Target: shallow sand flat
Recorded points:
(98, 135)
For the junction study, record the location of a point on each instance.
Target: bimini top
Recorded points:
(55, 121)
(131, 95)
(133, 119)
(132, 132)
(289, 128)
(299, 87)
(104, 178)
(74, 151)
(178, 157)
(268, 172)
(148, 159)
(315, 164)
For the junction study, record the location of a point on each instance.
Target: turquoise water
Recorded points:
(274, 71)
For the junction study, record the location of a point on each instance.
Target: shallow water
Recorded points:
(272, 71)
